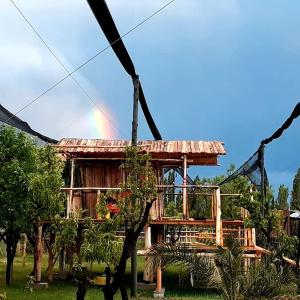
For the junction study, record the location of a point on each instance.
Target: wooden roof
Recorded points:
(195, 150)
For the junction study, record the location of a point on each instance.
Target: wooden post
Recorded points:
(136, 84)
(70, 198)
(213, 205)
(50, 257)
(253, 237)
(38, 255)
(148, 271)
(219, 238)
(184, 191)
(159, 288)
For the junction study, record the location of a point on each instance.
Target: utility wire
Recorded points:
(89, 60)
(64, 67)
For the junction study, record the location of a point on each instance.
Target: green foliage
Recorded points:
(282, 197)
(201, 268)
(229, 263)
(18, 155)
(66, 233)
(200, 205)
(171, 210)
(45, 198)
(265, 279)
(30, 182)
(264, 215)
(138, 188)
(101, 244)
(295, 203)
(286, 245)
(29, 284)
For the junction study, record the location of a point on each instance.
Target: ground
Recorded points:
(64, 290)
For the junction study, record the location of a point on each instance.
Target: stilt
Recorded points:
(219, 239)
(148, 271)
(38, 252)
(159, 291)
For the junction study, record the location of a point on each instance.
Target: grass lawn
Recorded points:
(175, 282)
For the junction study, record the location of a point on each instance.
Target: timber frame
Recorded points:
(94, 169)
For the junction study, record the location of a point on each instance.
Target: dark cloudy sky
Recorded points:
(211, 69)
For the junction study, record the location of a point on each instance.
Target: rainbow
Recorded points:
(102, 124)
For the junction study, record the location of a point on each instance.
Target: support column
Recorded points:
(159, 291)
(253, 237)
(219, 238)
(148, 271)
(184, 191)
(38, 252)
(70, 198)
(136, 84)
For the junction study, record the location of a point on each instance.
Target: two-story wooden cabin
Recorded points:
(94, 168)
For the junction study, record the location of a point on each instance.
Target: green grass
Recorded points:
(175, 282)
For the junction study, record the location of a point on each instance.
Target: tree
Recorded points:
(138, 192)
(45, 199)
(17, 161)
(282, 197)
(134, 200)
(295, 203)
(30, 182)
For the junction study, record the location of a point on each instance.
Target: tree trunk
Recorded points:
(119, 282)
(38, 252)
(81, 289)
(129, 243)
(11, 247)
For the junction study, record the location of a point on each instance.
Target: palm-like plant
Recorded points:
(229, 262)
(225, 271)
(265, 279)
(201, 268)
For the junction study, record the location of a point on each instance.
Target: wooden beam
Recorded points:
(218, 218)
(191, 222)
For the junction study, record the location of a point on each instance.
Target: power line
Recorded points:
(64, 67)
(89, 60)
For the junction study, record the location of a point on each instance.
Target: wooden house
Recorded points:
(95, 168)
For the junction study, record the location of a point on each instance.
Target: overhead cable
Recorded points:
(64, 67)
(82, 65)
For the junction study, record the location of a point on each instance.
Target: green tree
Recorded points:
(138, 192)
(30, 182)
(45, 199)
(135, 198)
(17, 161)
(282, 197)
(295, 203)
